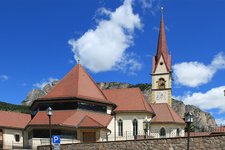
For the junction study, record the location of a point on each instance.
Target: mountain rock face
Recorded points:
(33, 95)
(36, 93)
(203, 121)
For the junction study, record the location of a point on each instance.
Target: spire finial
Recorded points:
(161, 10)
(78, 60)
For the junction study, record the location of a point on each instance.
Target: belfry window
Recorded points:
(161, 83)
(162, 132)
(120, 127)
(135, 127)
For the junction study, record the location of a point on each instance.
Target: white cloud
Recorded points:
(104, 48)
(71, 61)
(193, 74)
(130, 65)
(44, 82)
(212, 99)
(151, 5)
(218, 61)
(3, 77)
(220, 121)
(155, 28)
(147, 3)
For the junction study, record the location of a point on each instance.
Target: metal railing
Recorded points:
(126, 135)
(141, 134)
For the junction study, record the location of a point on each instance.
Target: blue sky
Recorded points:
(40, 38)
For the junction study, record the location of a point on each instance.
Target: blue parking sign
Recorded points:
(56, 139)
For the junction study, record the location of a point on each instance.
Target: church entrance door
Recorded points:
(89, 137)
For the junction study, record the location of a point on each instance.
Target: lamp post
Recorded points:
(146, 126)
(49, 113)
(188, 120)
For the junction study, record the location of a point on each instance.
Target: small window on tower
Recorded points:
(161, 63)
(161, 83)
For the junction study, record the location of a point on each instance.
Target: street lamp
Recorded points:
(146, 127)
(188, 120)
(49, 113)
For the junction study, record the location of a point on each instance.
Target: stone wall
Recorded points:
(196, 143)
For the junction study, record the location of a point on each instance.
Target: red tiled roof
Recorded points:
(220, 129)
(14, 119)
(128, 99)
(76, 84)
(162, 49)
(165, 114)
(88, 122)
(73, 118)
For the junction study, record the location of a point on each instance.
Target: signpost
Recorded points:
(56, 142)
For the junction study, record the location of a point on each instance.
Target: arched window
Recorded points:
(120, 127)
(161, 83)
(162, 132)
(135, 127)
(178, 132)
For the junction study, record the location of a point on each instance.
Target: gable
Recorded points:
(161, 66)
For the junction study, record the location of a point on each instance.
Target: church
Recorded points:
(82, 112)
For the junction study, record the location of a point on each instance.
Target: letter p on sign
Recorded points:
(56, 139)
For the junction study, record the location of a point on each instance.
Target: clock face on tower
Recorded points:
(161, 96)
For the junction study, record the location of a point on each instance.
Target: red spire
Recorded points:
(162, 47)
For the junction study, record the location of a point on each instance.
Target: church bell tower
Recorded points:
(161, 70)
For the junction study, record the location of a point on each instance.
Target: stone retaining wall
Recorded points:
(196, 143)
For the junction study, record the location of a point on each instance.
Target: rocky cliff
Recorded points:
(203, 121)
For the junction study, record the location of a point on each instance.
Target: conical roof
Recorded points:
(76, 84)
(162, 48)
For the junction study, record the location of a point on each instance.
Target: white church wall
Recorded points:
(171, 130)
(112, 129)
(127, 119)
(9, 138)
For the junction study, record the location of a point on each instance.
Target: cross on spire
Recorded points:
(161, 8)
(78, 60)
